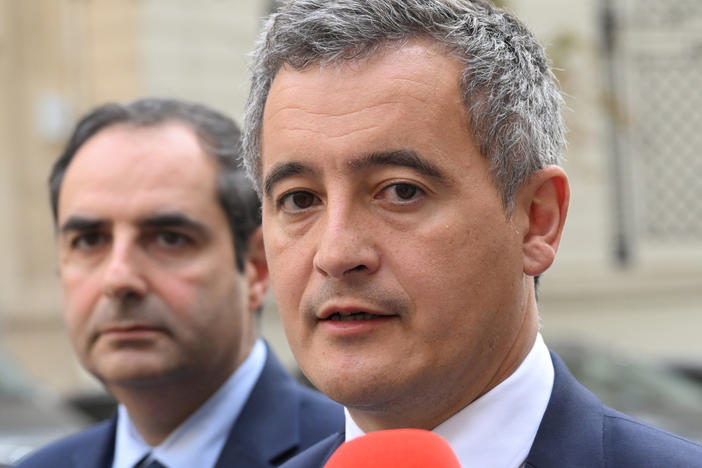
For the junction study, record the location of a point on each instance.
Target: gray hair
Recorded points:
(218, 136)
(509, 90)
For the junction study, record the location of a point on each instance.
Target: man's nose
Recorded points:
(346, 245)
(123, 275)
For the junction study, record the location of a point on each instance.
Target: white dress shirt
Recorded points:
(200, 438)
(498, 429)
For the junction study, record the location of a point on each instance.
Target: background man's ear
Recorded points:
(546, 196)
(256, 271)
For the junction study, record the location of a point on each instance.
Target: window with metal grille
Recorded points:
(655, 76)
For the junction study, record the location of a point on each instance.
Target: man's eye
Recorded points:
(88, 240)
(401, 192)
(405, 191)
(297, 201)
(172, 239)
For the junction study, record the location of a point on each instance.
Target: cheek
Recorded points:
(287, 284)
(289, 277)
(459, 263)
(207, 298)
(192, 299)
(431, 259)
(289, 265)
(80, 295)
(178, 293)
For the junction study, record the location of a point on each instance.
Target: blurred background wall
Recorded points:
(628, 276)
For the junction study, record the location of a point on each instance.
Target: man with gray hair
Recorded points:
(163, 273)
(407, 154)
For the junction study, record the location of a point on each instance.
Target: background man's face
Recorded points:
(399, 279)
(151, 291)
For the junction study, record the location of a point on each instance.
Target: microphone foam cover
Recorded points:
(406, 448)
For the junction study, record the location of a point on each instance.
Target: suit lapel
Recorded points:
(98, 446)
(253, 438)
(318, 454)
(572, 426)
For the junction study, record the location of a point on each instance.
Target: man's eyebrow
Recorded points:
(163, 220)
(402, 157)
(174, 220)
(82, 223)
(281, 171)
(406, 158)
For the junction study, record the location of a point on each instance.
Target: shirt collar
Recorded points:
(498, 429)
(200, 438)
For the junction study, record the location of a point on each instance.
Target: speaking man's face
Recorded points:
(151, 290)
(398, 276)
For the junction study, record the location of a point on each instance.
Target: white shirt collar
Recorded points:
(200, 438)
(498, 429)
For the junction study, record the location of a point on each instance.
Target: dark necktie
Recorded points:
(145, 463)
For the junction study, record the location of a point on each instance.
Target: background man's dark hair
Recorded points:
(218, 136)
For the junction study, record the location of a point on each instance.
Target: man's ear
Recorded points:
(545, 197)
(256, 271)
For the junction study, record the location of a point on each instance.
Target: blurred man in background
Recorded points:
(164, 275)
(407, 156)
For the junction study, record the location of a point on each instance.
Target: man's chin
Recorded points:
(361, 391)
(137, 373)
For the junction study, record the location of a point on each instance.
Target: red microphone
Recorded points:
(406, 448)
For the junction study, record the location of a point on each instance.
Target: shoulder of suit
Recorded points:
(630, 442)
(60, 452)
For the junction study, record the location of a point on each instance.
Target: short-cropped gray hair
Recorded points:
(509, 90)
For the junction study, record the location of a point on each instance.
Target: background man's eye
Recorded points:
(171, 238)
(405, 191)
(91, 239)
(88, 240)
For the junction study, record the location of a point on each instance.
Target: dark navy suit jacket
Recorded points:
(577, 431)
(280, 419)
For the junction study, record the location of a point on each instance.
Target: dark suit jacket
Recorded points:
(577, 431)
(280, 419)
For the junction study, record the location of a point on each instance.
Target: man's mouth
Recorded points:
(131, 328)
(131, 331)
(353, 316)
(349, 320)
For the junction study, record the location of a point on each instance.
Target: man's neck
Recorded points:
(157, 411)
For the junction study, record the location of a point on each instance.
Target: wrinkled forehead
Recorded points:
(406, 101)
(419, 69)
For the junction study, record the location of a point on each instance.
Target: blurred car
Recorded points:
(658, 394)
(29, 416)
